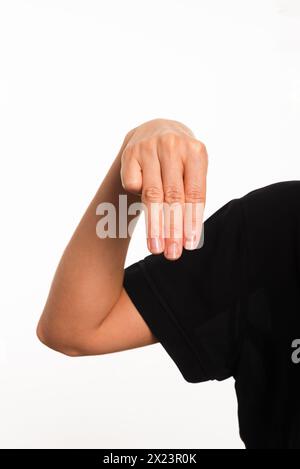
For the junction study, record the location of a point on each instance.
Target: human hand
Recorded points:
(165, 164)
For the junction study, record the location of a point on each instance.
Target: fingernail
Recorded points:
(191, 243)
(172, 251)
(155, 245)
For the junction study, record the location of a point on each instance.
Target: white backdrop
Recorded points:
(75, 76)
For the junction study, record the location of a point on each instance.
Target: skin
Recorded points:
(88, 312)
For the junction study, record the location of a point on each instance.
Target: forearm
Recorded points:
(88, 280)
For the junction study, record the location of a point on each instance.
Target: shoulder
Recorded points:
(272, 216)
(273, 202)
(284, 191)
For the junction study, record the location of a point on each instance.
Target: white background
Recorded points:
(75, 76)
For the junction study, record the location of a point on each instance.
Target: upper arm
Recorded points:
(191, 306)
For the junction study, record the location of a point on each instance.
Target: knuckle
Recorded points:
(152, 194)
(198, 153)
(198, 147)
(194, 194)
(173, 194)
(169, 139)
(146, 144)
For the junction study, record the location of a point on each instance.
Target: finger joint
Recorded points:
(152, 194)
(173, 194)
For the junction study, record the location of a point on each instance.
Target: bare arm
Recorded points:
(88, 311)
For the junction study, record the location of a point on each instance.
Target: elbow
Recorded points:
(59, 341)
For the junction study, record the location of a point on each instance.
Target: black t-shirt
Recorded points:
(232, 309)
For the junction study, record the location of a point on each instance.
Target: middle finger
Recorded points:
(173, 187)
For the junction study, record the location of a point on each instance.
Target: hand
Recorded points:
(167, 166)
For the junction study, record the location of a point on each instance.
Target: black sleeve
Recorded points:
(192, 305)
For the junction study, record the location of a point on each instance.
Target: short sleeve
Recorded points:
(193, 305)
